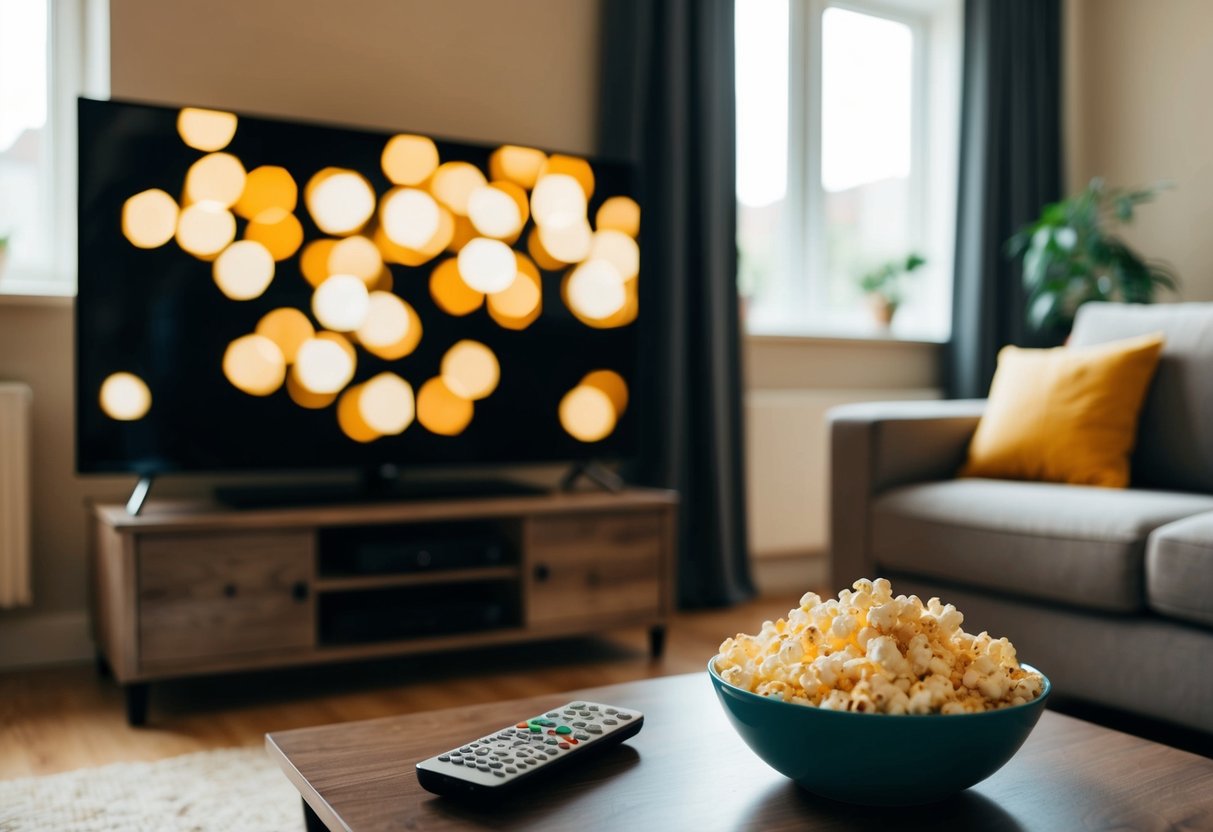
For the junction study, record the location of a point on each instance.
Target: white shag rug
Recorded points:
(230, 790)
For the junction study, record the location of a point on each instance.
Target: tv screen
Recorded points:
(262, 293)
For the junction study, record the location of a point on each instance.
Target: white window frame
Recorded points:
(78, 45)
(801, 283)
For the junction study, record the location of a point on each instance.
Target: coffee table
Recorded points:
(688, 769)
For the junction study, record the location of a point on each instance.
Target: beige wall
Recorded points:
(1139, 109)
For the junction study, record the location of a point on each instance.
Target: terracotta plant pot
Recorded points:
(883, 310)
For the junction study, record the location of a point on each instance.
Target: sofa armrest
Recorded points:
(877, 446)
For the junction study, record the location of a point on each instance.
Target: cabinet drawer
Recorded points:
(215, 595)
(594, 565)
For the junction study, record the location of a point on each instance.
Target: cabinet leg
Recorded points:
(136, 703)
(103, 666)
(311, 821)
(656, 641)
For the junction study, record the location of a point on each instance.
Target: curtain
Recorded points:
(668, 105)
(1010, 168)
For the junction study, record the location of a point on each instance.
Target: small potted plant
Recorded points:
(884, 286)
(1071, 255)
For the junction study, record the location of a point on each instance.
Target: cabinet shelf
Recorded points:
(345, 583)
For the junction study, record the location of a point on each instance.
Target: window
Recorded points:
(50, 52)
(847, 120)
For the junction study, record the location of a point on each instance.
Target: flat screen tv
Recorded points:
(257, 293)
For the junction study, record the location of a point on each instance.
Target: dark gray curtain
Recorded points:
(1010, 168)
(667, 104)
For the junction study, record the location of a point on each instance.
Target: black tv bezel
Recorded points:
(388, 462)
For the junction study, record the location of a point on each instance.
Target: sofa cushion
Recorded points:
(1174, 436)
(1080, 545)
(1179, 570)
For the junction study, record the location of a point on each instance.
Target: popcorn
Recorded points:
(872, 652)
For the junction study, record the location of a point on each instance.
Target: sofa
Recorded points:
(1108, 591)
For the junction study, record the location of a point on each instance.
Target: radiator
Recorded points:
(787, 465)
(15, 401)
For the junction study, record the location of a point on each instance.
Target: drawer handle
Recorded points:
(229, 590)
(299, 591)
(542, 573)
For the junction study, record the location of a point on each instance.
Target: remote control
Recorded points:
(494, 765)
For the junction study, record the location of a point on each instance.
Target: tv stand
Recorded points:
(189, 588)
(134, 504)
(369, 490)
(598, 474)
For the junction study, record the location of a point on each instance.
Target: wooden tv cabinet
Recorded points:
(190, 588)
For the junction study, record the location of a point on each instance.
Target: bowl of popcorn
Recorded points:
(878, 699)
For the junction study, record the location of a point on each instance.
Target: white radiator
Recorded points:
(15, 401)
(787, 464)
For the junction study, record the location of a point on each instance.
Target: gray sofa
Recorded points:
(1108, 591)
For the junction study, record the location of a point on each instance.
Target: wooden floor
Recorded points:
(63, 718)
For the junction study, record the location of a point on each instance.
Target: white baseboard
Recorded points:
(792, 573)
(57, 638)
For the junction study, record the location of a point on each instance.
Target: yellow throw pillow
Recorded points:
(1064, 415)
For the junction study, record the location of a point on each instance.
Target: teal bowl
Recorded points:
(877, 759)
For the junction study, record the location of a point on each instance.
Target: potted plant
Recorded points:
(1072, 255)
(884, 286)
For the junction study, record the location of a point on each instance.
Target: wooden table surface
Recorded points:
(688, 769)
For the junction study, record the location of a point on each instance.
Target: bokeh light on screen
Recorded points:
(595, 290)
(487, 265)
(314, 261)
(386, 404)
(496, 211)
(407, 343)
(349, 417)
(611, 383)
(572, 166)
(269, 194)
(303, 397)
(324, 364)
(409, 217)
(254, 364)
(281, 237)
(206, 130)
(520, 165)
(440, 410)
(217, 178)
(340, 201)
(243, 270)
(558, 200)
(149, 219)
(567, 243)
(205, 230)
(470, 370)
(619, 250)
(518, 306)
(449, 291)
(587, 413)
(341, 303)
(453, 184)
(464, 232)
(125, 397)
(409, 160)
(288, 328)
(545, 261)
(387, 321)
(358, 256)
(619, 213)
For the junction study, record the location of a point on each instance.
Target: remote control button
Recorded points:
(520, 725)
(578, 724)
(564, 729)
(583, 713)
(553, 714)
(499, 773)
(569, 713)
(594, 729)
(467, 749)
(496, 765)
(456, 762)
(625, 716)
(609, 721)
(444, 758)
(564, 745)
(483, 767)
(480, 752)
(577, 705)
(535, 729)
(511, 770)
(549, 742)
(592, 708)
(570, 740)
(612, 711)
(582, 735)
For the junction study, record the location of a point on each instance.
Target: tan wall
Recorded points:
(1138, 110)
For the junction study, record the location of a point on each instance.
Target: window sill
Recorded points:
(875, 339)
